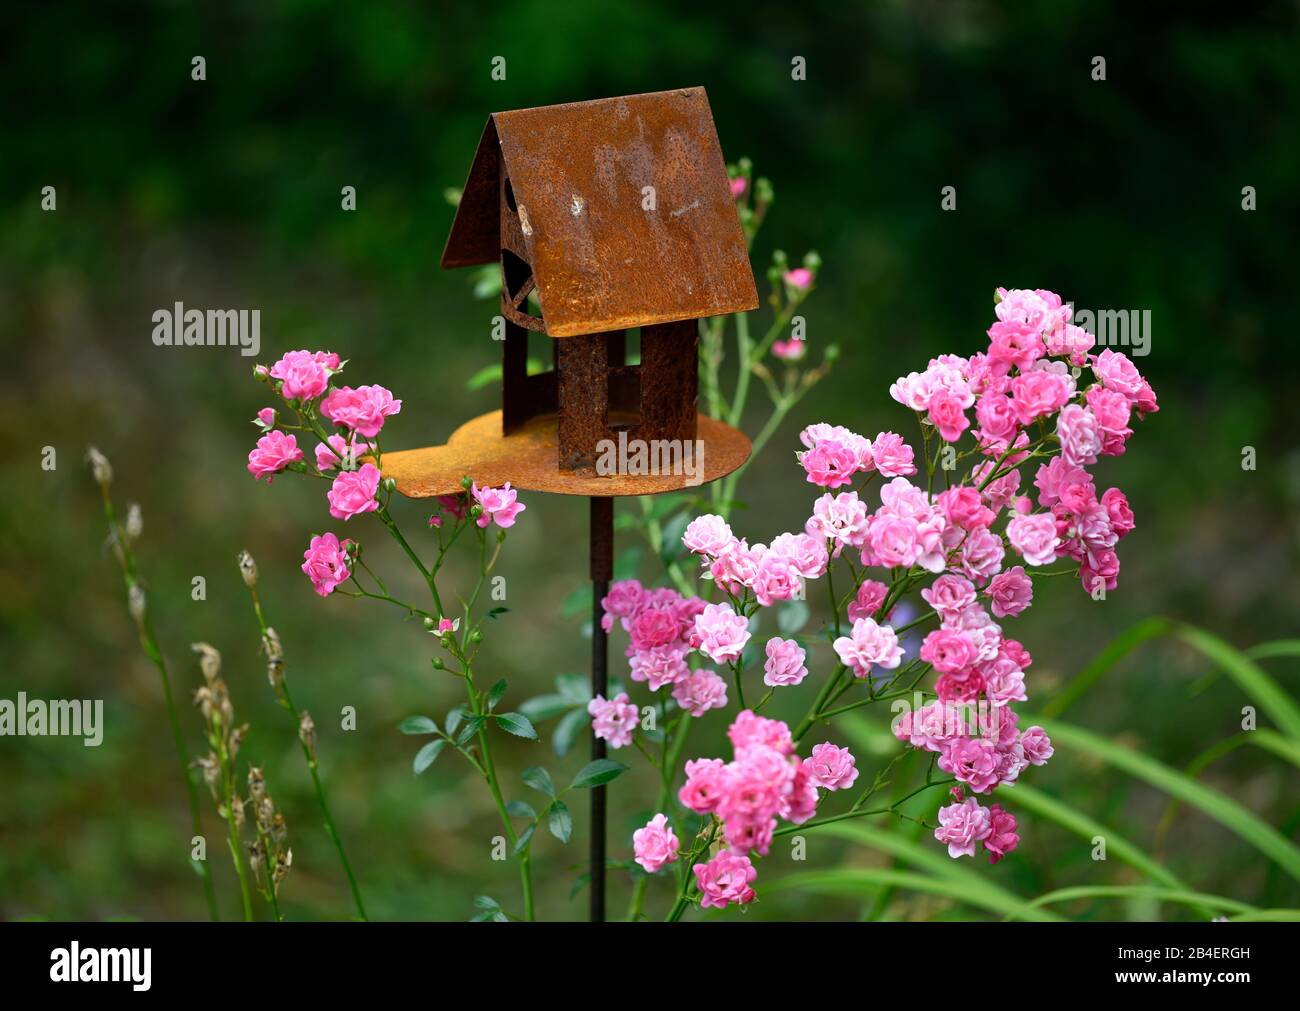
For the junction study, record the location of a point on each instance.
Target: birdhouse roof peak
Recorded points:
(624, 205)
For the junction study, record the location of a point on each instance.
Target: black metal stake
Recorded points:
(602, 571)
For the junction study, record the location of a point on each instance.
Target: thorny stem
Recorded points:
(286, 701)
(149, 643)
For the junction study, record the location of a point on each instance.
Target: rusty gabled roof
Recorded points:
(601, 260)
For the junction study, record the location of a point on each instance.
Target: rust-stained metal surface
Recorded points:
(622, 208)
(527, 459)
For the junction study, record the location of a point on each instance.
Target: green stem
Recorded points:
(149, 643)
(330, 829)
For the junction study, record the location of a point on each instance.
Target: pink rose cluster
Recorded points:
(1028, 377)
(763, 783)
(769, 572)
(834, 455)
(303, 379)
(661, 625)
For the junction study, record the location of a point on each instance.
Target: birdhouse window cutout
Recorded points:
(605, 217)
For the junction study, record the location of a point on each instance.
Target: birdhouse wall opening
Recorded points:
(528, 387)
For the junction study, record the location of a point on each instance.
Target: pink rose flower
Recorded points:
(708, 535)
(613, 720)
(326, 563)
(829, 464)
(266, 417)
(656, 844)
(653, 626)
(776, 579)
(500, 505)
(304, 374)
(840, 518)
(871, 595)
(738, 186)
(748, 730)
(722, 633)
(1010, 592)
(725, 879)
(1038, 393)
(273, 453)
(1118, 373)
(1080, 435)
(1013, 343)
(1037, 745)
(893, 540)
(980, 555)
(1054, 477)
(830, 767)
(947, 416)
(624, 599)
(353, 492)
(961, 826)
(868, 645)
(791, 350)
(1002, 838)
(660, 665)
(972, 761)
(800, 277)
(1117, 508)
(999, 423)
(948, 651)
(1034, 536)
(949, 595)
(785, 663)
(806, 554)
(1040, 310)
(363, 410)
(892, 456)
(704, 785)
(700, 691)
(963, 507)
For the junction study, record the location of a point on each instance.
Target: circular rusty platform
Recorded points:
(529, 459)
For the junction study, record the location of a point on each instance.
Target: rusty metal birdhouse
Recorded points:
(606, 217)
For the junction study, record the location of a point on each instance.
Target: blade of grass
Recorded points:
(969, 883)
(1035, 801)
(1275, 703)
(1112, 653)
(864, 882)
(1197, 899)
(1224, 810)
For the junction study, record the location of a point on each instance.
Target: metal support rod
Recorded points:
(602, 571)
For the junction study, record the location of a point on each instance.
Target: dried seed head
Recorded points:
(265, 812)
(271, 643)
(211, 768)
(275, 675)
(209, 660)
(248, 569)
(134, 522)
(237, 805)
(203, 698)
(237, 740)
(135, 603)
(307, 734)
(283, 861)
(256, 857)
(279, 831)
(100, 467)
(256, 784)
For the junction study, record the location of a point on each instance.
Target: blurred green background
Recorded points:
(1123, 193)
